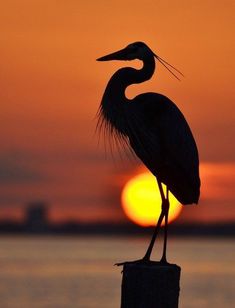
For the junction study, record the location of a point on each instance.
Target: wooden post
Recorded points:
(150, 285)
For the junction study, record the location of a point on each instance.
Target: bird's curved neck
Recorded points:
(128, 75)
(114, 102)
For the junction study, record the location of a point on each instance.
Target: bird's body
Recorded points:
(153, 126)
(168, 151)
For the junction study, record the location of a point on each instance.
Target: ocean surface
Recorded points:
(78, 271)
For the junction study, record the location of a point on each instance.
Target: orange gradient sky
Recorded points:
(51, 87)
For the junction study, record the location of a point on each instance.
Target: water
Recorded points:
(75, 272)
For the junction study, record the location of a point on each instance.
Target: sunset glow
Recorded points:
(52, 85)
(141, 201)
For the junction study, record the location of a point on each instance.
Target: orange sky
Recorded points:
(51, 87)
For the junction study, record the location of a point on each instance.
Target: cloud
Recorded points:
(14, 168)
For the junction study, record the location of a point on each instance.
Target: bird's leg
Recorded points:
(166, 211)
(157, 228)
(155, 233)
(165, 206)
(146, 258)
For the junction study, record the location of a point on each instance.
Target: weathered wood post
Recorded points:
(150, 285)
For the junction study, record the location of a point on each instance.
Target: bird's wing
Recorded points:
(164, 142)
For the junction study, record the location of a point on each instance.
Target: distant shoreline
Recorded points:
(104, 229)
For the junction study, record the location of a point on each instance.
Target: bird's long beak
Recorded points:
(118, 55)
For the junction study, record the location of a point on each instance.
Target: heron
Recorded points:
(155, 129)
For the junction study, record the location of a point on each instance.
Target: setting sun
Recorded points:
(141, 201)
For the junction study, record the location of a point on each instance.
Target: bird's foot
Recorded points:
(144, 261)
(163, 261)
(140, 261)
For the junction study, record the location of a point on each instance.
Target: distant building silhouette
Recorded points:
(36, 217)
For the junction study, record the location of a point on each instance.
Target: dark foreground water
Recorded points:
(78, 272)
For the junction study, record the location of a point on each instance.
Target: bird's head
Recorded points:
(138, 50)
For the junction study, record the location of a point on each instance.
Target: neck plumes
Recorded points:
(114, 102)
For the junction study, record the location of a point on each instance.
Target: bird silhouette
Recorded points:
(155, 129)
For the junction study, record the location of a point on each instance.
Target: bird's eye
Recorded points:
(133, 49)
